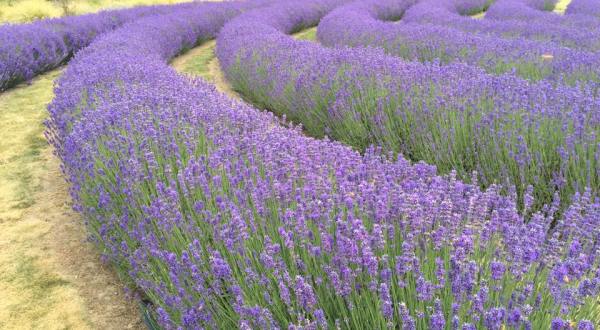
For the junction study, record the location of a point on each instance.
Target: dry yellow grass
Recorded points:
(50, 277)
(309, 34)
(561, 6)
(20, 11)
(480, 15)
(202, 62)
(28, 10)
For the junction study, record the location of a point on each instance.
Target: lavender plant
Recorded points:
(520, 9)
(364, 24)
(583, 7)
(223, 216)
(456, 117)
(573, 31)
(30, 49)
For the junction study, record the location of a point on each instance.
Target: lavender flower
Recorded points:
(225, 216)
(30, 49)
(455, 116)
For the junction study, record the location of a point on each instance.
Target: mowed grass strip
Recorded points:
(561, 6)
(201, 61)
(50, 277)
(309, 34)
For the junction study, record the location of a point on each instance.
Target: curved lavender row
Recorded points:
(471, 7)
(522, 10)
(573, 31)
(92, 102)
(362, 24)
(453, 116)
(169, 34)
(584, 7)
(540, 11)
(223, 218)
(29, 49)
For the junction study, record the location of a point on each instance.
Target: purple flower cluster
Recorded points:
(584, 7)
(457, 117)
(29, 49)
(223, 216)
(573, 31)
(364, 24)
(520, 9)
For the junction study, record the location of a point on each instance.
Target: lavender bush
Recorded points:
(29, 49)
(579, 32)
(583, 7)
(223, 216)
(520, 9)
(364, 24)
(455, 116)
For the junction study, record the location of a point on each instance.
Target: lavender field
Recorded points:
(330, 164)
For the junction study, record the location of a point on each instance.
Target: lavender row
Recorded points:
(454, 116)
(363, 24)
(575, 31)
(522, 10)
(539, 13)
(29, 49)
(101, 125)
(586, 7)
(223, 217)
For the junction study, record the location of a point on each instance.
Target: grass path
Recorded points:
(309, 34)
(561, 6)
(50, 277)
(202, 62)
(480, 15)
